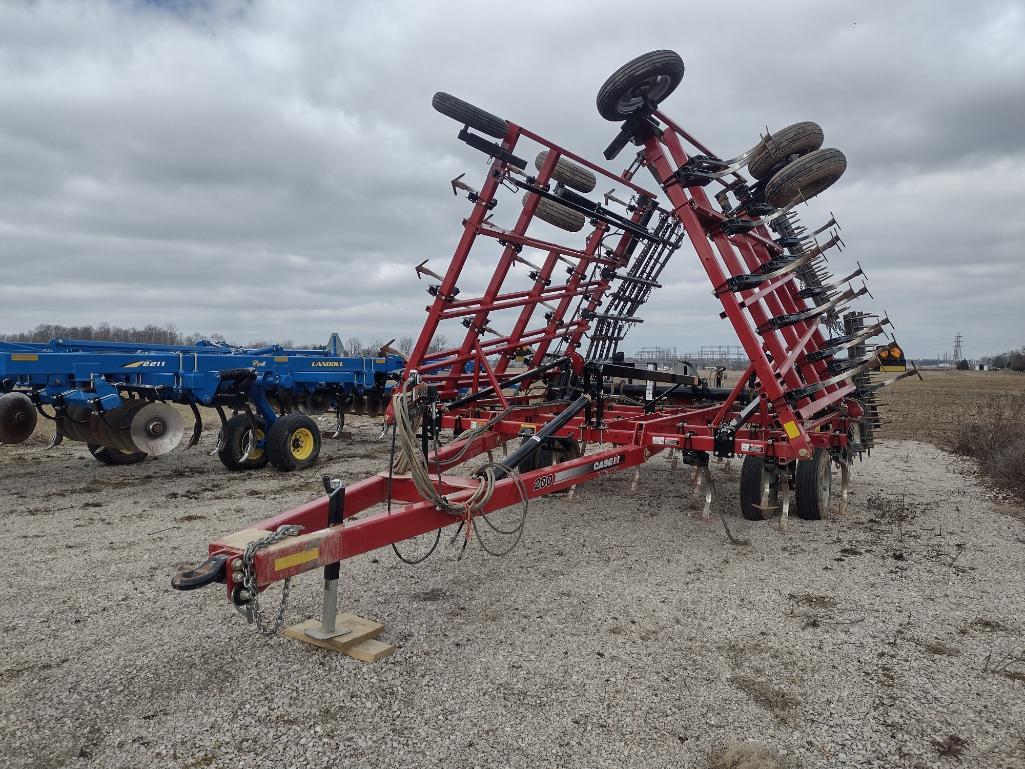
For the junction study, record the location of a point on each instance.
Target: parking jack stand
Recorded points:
(329, 627)
(347, 633)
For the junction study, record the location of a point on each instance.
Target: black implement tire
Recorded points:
(235, 436)
(115, 456)
(814, 486)
(806, 177)
(753, 478)
(654, 75)
(558, 215)
(797, 139)
(293, 442)
(467, 114)
(571, 174)
(18, 417)
(542, 457)
(565, 449)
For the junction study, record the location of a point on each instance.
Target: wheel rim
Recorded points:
(302, 444)
(824, 485)
(250, 448)
(652, 89)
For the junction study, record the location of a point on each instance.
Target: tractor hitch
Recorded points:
(211, 570)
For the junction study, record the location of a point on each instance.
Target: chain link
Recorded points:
(251, 610)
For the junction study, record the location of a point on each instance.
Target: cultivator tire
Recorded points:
(542, 457)
(18, 418)
(755, 479)
(648, 79)
(797, 139)
(573, 175)
(467, 114)
(558, 215)
(293, 442)
(109, 456)
(806, 177)
(814, 486)
(235, 437)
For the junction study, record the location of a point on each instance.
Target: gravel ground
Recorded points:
(625, 631)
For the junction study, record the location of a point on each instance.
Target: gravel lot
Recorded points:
(625, 631)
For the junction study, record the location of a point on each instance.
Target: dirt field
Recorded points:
(924, 410)
(624, 631)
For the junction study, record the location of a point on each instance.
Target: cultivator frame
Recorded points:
(791, 409)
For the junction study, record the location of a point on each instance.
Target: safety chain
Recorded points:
(251, 609)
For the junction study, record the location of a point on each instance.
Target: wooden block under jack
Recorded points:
(359, 642)
(370, 650)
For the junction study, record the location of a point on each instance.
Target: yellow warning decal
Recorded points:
(24, 356)
(281, 359)
(528, 427)
(791, 428)
(303, 556)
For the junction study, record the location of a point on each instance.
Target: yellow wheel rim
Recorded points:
(256, 452)
(302, 444)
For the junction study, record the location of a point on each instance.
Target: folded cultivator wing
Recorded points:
(535, 370)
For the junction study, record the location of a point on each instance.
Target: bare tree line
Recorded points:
(169, 334)
(1012, 359)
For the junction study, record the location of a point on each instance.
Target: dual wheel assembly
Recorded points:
(291, 443)
(760, 486)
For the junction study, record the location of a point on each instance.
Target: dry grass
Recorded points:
(994, 435)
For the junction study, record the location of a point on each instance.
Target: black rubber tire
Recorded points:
(115, 456)
(573, 175)
(813, 484)
(565, 450)
(293, 442)
(467, 114)
(234, 437)
(752, 475)
(558, 215)
(797, 139)
(18, 418)
(542, 457)
(655, 74)
(806, 177)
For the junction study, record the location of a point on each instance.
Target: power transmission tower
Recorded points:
(957, 348)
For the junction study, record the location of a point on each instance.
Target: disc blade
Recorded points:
(314, 404)
(17, 417)
(75, 424)
(156, 429)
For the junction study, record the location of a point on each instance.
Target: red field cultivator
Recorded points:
(537, 373)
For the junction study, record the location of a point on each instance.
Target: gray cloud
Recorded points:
(275, 169)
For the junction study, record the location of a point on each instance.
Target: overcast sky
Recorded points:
(274, 170)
